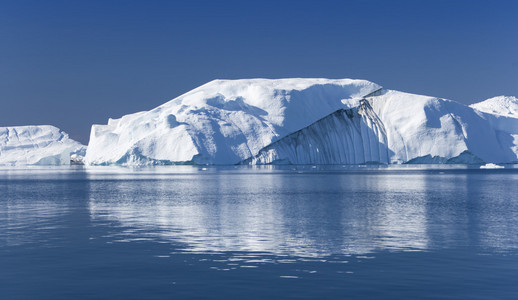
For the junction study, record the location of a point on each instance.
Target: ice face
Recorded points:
(37, 145)
(347, 136)
(299, 121)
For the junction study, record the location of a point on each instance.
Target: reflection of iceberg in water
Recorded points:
(388, 213)
(28, 223)
(197, 211)
(277, 213)
(31, 213)
(498, 209)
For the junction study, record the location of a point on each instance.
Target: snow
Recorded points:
(307, 121)
(418, 126)
(502, 105)
(37, 145)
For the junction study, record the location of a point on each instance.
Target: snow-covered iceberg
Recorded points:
(37, 145)
(304, 121)
(221, 122)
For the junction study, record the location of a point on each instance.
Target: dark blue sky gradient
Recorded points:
(74, 63)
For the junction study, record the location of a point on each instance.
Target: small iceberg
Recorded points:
(491, 166)
(38, 145)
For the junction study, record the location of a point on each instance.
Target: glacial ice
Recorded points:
(37, 145)
(221, 122)
(307, 121)
(347, 136)
(418, 126)
(502, 105)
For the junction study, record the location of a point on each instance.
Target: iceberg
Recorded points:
(491, 166)
(307, 121)
(221, 122)
(38, 145)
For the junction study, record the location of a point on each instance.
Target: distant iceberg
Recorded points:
(307, 121)
(491, 166)
(38, 145)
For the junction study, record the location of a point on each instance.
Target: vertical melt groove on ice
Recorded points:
(346, 136)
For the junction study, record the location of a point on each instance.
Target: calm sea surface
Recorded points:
(270, 232)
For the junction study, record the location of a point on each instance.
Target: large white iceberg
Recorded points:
(304, 121)
(37, 145)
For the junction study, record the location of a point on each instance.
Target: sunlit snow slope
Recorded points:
(420, 128)
(37, 145)
(502, 105)
(304, 121)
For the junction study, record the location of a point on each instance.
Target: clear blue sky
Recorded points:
(75, 63)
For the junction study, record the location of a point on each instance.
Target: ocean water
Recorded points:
(187, 232)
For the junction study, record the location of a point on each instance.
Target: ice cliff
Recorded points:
(307, 121)
(347, 136)
(37, 145)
